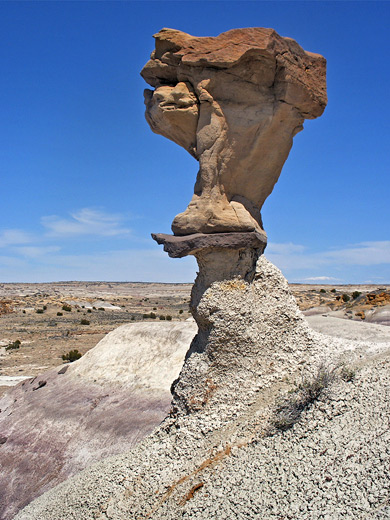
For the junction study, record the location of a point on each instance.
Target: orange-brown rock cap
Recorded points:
(297, 77)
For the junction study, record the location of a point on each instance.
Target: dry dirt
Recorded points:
(30, 313)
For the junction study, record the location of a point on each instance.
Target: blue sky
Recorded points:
(84, 181)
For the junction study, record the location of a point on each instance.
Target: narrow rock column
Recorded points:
(220, 256)
(251, 334)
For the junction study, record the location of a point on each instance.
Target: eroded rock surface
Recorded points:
(212, 458)
(179, 246)
(234, 102)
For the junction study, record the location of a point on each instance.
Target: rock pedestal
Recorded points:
(220, 256)
(250, 335)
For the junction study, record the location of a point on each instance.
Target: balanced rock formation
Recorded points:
(234, 102)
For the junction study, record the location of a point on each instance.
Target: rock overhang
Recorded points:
(275, 59)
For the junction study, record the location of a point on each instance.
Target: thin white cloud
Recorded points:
(284, 249)
(39, 258)
(293, 256)
(87, 221)
(36, 251)
(321, 279)
(290, 256)
(8, 263)
(122, 265)
(365, 253)
(10, 237)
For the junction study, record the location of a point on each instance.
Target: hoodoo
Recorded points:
(234, 102)
(226, 450)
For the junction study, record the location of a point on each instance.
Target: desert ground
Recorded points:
(51, 319)
(47, 319)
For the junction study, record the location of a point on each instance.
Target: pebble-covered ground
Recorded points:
(334, 464)
(226, 459)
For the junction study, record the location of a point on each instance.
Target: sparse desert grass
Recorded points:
(290, 407)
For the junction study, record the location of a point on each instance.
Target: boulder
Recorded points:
(234, 102)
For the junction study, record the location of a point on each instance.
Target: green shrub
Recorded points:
(66, 308)
(84, 322)
(39, 311)
(44, 307)
(356, 294)
(71, 356)
(322, 291)
(345, 298)
(333, 290)
(168, 317)
(181, 311)
(162, 317)
(101, 309)
(60, 313)
(89, 310)
(15, 345)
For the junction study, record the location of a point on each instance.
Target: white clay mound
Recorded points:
(143, 355)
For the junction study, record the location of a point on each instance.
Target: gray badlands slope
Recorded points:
(225, 458)
(58, 423)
